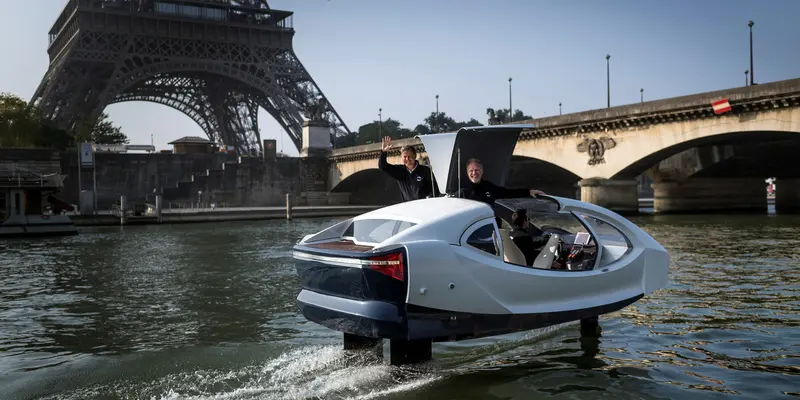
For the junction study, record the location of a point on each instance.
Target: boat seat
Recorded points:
(511, 253)
(548, 253)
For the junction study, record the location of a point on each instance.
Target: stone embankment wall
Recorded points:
(39, 161)
(186, 179)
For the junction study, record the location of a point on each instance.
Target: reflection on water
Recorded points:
(207, 311)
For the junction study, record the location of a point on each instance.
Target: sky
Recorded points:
(398, 55)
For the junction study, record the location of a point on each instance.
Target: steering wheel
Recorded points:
(553, 229)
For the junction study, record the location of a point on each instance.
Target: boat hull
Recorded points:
(38, 226)
(376, 319)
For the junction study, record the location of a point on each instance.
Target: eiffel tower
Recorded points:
(217, 61)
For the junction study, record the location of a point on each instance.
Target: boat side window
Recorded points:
(484, 239)
(569, 247)
(614, 243)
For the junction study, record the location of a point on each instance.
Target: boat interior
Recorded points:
(533, 233)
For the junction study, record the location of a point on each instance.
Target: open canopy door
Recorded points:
(449, 152)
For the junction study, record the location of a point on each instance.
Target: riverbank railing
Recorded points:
(13, 175)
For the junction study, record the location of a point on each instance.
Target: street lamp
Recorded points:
(380, 124)
(510, 109)
(745, 76)
(436, 120)
(641, 95)
(752, 73)
(559, 108)
(608, 79)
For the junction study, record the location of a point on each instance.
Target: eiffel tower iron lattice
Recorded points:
(217, 61)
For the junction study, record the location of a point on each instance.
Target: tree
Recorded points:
(422, 129)
(102, 132)
(471, 122)
(444, 123)
(373, 131)
(22, 126)
(19, 124)
(520, 116)
(500, 116)
(369, 133)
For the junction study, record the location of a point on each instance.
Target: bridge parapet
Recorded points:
(761, 97)
(372, 151)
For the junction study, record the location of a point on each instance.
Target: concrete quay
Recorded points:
(200, 215)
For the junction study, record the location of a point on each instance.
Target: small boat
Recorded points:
(29, 206)
(442, 269)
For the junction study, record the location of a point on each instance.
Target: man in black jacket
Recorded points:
(416, 181)
(487, 192)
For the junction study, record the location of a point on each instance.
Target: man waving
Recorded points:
(415, 181)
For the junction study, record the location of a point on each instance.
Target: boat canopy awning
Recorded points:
(493, 145)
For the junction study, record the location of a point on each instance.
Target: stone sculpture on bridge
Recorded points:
(315, 110)
(596, 148)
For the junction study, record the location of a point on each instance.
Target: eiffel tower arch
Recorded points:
(217, 61)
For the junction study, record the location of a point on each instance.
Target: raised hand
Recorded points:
(386, 143)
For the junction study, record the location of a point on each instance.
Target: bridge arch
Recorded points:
(527, 172)
(631, 150)
(369, 187)
(699, 156)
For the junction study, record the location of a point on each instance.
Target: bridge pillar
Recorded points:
(620, 196)
(315, 166)
(787, 196)
(704, 195)
(316, 139)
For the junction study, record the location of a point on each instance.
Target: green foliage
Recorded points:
(373, 131)
(22, 126)
(103, 132)
(433, 123)
(443, 123)
(18, 124)
(422, 129)
(500, 116)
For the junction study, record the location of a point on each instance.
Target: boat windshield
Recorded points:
(374, 231)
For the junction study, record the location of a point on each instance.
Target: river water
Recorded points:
(207, 311)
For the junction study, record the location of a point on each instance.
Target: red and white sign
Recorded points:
(721, 106)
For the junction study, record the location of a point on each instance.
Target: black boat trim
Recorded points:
(367, 318)
(342, 275)
(377, 319)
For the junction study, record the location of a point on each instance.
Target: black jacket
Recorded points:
(488, 192)
(414, 185)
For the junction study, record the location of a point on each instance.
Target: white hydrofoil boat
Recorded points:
(441, 269)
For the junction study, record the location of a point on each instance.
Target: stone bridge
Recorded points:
(695, 159)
